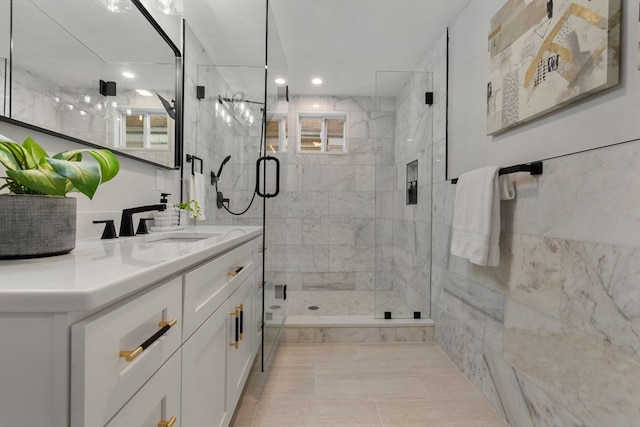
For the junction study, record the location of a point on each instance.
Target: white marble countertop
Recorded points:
(99, 272)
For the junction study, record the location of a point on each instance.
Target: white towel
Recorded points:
(476, 215)
(197, 192)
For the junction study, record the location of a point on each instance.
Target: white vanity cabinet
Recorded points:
(167, 355)
(217, 357)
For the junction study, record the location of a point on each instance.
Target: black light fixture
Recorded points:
(428, 98)
(107, 88)
(200, 92)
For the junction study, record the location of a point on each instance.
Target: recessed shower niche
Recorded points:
(412, 183)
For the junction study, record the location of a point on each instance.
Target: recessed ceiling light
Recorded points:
(280, 81)
(316, 105)
(316, 81)
(144, 92)
(128, 74)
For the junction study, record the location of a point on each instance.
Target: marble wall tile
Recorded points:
(385, 177)
(384, 281)
(384, 258)
(315, 231)
(365, 178)
(544, 410)
(298, 335)
(486, 301)
(307, 204)
(386, 151)
(329, 281)
(307, 258)
(351, 205)
(413, 334)
(383, 232)
(355, 335)
(360, 125)
(342, 231)
(591, 287)
(384, 204)
(365, 232)
(328, 178)
(596, 383)
(351, 258)
(365, 281)
(586, 191)
(600, 293)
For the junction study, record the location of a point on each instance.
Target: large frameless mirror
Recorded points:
(99, 72)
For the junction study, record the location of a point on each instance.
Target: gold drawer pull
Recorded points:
(164, 328)
(169, 423)
(236, 269)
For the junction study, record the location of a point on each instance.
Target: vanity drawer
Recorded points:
(146, 328)
(157, 403)
(209, 285)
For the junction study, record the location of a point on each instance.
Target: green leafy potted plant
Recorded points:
(36, 217)
(193, 207)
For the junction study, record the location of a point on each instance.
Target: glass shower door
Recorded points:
(403, 196)
(274, 184)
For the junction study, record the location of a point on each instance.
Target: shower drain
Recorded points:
(313, 307)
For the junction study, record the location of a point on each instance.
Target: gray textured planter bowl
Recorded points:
(36, 226)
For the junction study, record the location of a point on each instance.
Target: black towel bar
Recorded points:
(191, 159)
(534, 168)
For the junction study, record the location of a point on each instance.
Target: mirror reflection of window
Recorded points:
(144, 129)
(134, 131)
(158, 131)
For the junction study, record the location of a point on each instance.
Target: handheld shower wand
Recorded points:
(214, 181)
(216, 176)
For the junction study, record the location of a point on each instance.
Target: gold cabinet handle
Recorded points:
(169, 423)
(236, 269)
(129, 355)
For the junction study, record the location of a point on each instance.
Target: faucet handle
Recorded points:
(109, 229)
(142, 226)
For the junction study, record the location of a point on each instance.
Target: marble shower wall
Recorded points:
(551, 337)
(212, 139)
(329, 225)
(65, 110)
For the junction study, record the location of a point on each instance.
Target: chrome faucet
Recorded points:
(126, 224)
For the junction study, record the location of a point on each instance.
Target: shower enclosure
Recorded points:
(345, 233)
(237, 109)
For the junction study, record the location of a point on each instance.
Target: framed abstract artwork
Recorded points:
(546, 54)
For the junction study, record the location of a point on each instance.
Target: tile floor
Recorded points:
(365, 385)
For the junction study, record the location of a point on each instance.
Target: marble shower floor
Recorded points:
(344, 303)
(364, 385)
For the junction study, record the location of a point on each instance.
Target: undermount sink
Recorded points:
(180, 237)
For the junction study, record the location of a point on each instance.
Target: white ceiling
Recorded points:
(344, 42)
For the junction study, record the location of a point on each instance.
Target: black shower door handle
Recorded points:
(267, 159)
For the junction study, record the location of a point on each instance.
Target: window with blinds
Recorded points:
(322, 133)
